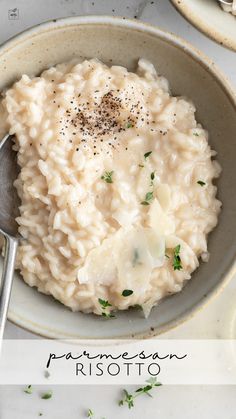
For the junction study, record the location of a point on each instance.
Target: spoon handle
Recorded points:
(6, 281)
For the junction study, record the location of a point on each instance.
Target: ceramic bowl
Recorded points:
(209, 17)
(119, 41)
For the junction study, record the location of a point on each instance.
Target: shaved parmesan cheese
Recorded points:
(126, 259)
(164, 196)
(125, 217)
(99, 266)
(161, 223)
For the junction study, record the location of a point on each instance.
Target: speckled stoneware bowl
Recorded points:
(211, 19)
(119, 41)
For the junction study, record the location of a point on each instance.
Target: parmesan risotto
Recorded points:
(115, 185)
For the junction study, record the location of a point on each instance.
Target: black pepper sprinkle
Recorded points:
(96, 121)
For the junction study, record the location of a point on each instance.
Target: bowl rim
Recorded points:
(197, 56)
(185, 11)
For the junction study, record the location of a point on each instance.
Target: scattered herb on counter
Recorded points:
(90, 414)
(200, 182)
(177, 261)
(141, 165)
(146, 155)
(152, 382)
(107, 177)
(129, 398)
(105, 304)
(148, 198)
(167, 256)
(47, 395)
(40, 414)
(28, 389)
(127, 293)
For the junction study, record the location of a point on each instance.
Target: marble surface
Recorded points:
(218, 320)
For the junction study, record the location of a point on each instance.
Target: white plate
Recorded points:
(210, 18)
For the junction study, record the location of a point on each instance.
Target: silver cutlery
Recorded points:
(9, 210)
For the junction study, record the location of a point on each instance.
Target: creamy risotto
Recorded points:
(115, 184)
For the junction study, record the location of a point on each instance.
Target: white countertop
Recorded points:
(218, 320)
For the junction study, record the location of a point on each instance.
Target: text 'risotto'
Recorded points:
(115, 185)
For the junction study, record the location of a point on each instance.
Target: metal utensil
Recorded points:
(9, 210)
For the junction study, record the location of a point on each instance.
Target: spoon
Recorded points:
(9, 210)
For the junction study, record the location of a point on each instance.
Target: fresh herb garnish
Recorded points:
(107, 177)
(127, 293)
(196, 134)
(105, 304)
(200, 182)
(129, 398)
(90, 414)
(47, 395)
(135, 260)
(28, 389)
(148, 198)
(147, 154)
(177, 261)
(129, 125)
(152, 176)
